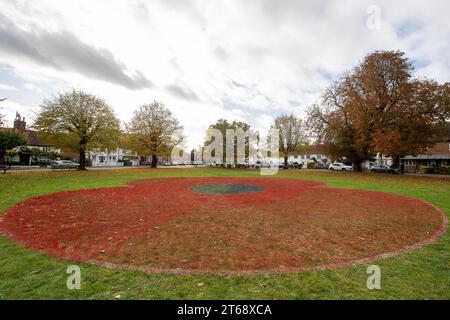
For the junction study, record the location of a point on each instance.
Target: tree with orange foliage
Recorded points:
(380, 108)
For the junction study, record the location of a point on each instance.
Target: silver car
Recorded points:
(64, 164)
(339, 166)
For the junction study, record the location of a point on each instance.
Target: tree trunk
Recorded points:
(357, 166)
(285, 160)
(154, 161)
(82, 153)
(396, 161)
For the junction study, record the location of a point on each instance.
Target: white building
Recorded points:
(313, 154)
(27, 155)
(117, 158)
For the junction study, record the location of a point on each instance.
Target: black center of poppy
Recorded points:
(226, 188)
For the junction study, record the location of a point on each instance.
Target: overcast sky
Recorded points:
(249, 60)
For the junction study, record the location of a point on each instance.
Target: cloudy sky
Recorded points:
(249, 60)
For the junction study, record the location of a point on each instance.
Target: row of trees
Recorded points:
(80, 122)
(377, 107)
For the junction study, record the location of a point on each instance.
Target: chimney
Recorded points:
(19, 123)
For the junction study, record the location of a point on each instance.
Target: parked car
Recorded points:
(338, 166)
(384, 169)
(64, 164)
(282, 166)
(296, 165)
(260, 164)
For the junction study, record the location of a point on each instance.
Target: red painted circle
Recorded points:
(162, 225)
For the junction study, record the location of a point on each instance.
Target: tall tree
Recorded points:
(154, 131)
(291, 134)
(10, 139)
(78, 121)
(330, 122)
(379, 108)
(222, 125)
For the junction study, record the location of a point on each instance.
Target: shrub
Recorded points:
(442, 170)
(424, 169)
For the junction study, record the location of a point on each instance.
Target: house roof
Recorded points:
(33, 139)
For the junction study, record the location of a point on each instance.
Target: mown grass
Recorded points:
(26, 274)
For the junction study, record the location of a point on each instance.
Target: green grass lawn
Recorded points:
(419, 274)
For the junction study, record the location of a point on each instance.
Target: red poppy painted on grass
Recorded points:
(223, 225)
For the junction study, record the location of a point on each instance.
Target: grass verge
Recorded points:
(26, 274)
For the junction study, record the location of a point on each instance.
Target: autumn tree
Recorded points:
(332, 125)
(79, 122)
(10, 139)
(379, 107)
(417, 123)
(154, 131)
(223, 125)
(291, 134)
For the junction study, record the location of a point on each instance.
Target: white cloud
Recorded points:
(249, 60)
(32, 87)
(9, 108)
(5, 87)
